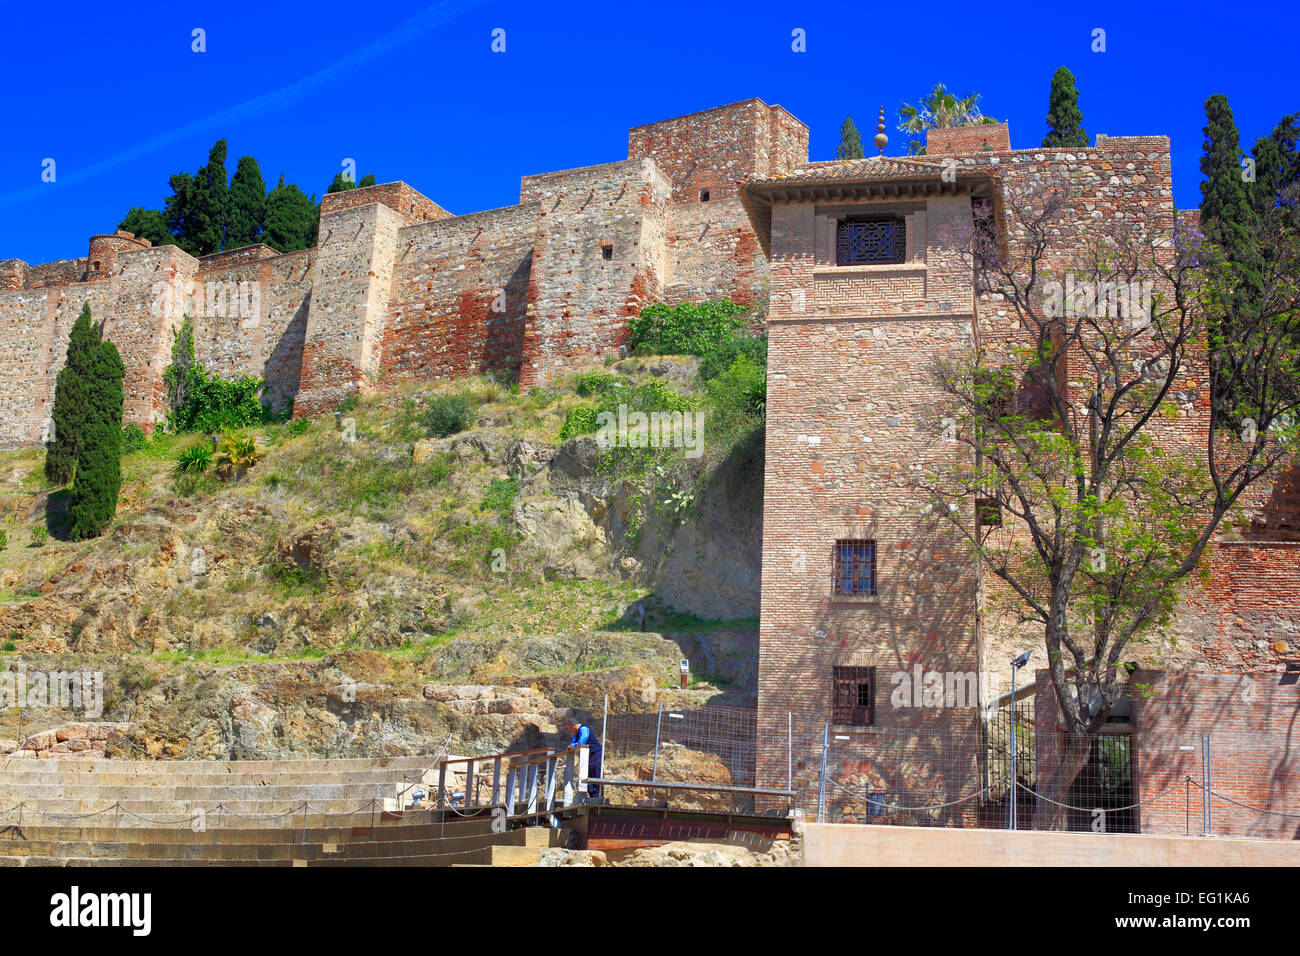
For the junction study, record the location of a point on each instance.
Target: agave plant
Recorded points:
(194, 460)
(939, 109)
(238, 453)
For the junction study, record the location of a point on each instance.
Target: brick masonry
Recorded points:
(399, 287)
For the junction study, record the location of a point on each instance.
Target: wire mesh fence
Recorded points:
(1009, 768)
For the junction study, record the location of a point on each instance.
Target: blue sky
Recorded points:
(411, 90)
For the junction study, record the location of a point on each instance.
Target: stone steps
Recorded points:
(321, 765)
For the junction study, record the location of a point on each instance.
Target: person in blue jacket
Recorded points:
(582, 734)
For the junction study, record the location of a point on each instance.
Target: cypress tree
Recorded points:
(247, 204)
(290, 219)
(212, 201)
(850, 141)
(1227, 217)
(70, 400)
(147, 224)
(180, 213)
(1064, 121)
(1225, 205)
(1277, 168)
(99, 468)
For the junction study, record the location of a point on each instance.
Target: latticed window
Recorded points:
(855, 696)
(870, 241)
(855, 567)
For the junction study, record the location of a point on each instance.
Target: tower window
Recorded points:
(95, 265)
(855, 568)
(862, 241)
(855, 696)
(607, 251)
(704, 195)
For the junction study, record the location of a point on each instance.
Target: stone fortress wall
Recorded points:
(399, 287)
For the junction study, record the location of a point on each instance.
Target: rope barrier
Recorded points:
(1131, 806)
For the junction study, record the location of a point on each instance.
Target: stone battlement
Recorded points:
(398, 286)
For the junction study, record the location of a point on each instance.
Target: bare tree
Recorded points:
(1111, 427)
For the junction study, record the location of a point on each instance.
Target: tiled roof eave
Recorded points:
(900, 187)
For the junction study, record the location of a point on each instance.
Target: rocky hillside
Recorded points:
(369, 588)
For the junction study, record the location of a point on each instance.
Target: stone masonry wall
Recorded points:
(460, 294)
(598, 259)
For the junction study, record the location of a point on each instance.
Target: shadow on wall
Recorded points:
(283, 369)
(503, 346)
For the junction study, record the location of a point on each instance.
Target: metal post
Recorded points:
(551, 763)
(654, 767)
(510, 790)
(821, 782)
(1205, 787)
(470, 795)
(496, 780)
(1011, 813)
(1209, 785)
(789, 750)
(442, 785)
(604, 726)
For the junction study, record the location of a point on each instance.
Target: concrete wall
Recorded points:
(879, 846)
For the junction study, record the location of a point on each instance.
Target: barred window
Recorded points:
(855, 567)
(870, 241)
(855, 696)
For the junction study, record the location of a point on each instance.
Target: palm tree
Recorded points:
(939, 109)
(238, 454)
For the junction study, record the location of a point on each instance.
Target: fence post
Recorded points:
(1209, 785)
(1205, 785)
(821, 782)
(604, 726)
(442, 785)
(654, 767)
(496, 780)
(471, 797)
(551, 763)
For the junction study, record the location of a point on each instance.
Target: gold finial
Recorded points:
(881, 139)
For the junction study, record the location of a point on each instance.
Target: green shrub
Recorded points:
(212, 403)
(298, 425)
(720, 358)
(40, 534)
(691, 328)
(350, 403)
(500, 495)
(596, 383)
(10, 646)
(4, 540)
(133, 438)
(738, 396)
(581, 420)
(194, 460)
(741, 389)
(447, 415)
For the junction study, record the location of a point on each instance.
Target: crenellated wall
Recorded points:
(399, 287)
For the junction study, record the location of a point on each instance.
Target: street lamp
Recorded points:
(1016, 664)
